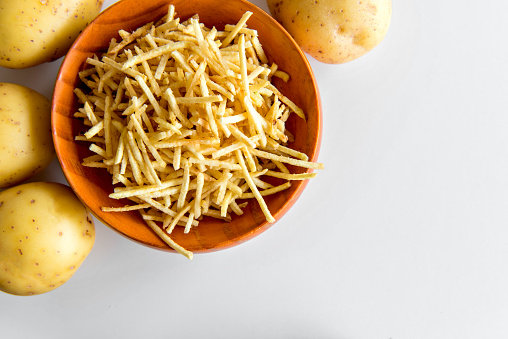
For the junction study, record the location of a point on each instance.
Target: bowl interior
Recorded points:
(93, 186)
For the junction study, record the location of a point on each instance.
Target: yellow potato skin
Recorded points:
(26, 144)
(36, 31)
(334, 31)
(45, 235)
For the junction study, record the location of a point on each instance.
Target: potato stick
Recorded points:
(288, 176)
(199, 100)
(257, 119)
(153, 53)
(195, 80)
(209, 189)
(197, 155)
(119, 127)
(90, 113)
(273, 69)
(208, 108)
(249, 159)
(95, 164)
(165, 193)
(236, 29)
(131, 141)
(178, 217)
(93, 158)
(161, 66)
(96, 140)
(185, 186)
(234, 118)
(170, 97)
(198, 34)
(149, 94)
(222, 191)
(129, 71)
(259, 50)
(99, 150)
(215, 51)
(94, 130)
(165, 124)
(205, 204)
(181, 60)
(134, 167)
(105, 80)
(235, 208)
(282, 75)
(81, 96)
(188, 225)
(200, 180)
(214, 65)
(157, 205)
(149, 145)
(218, 88)
(253, 187)
(241, 136)
(248, 31)
(287, 101)
(130, 38)
(152, 174)
(177, 157)
(280, 166)
(142, 190)
(185, 142)
(148, 72)
(256, 87)
(120, 149)
(215, 163)
(227, 150)
(150, 39)
(268, 191)
(146, 120)
(287, 150)
(165, 28)
(260, 183)
(129, 88)
(287, 160)
(107, 128)
(167, 239)
(123, 165)
(225, 204)
(230, 185)
(256, 72)
(217, 215)
(125, 208)
(95, 62)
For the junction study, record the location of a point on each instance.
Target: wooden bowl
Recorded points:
(93, 186)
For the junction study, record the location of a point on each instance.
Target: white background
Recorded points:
(404, 235)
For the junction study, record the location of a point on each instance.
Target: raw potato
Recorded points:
(45, 235)
(26, 144)
(36, 31)
(334, 31)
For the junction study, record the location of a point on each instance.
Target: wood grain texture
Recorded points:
(93, 186)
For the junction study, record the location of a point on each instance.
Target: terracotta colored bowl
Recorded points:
(93, 186)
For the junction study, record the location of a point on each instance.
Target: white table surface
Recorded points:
(403, 235)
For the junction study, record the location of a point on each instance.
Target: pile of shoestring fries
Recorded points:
(188, 123)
